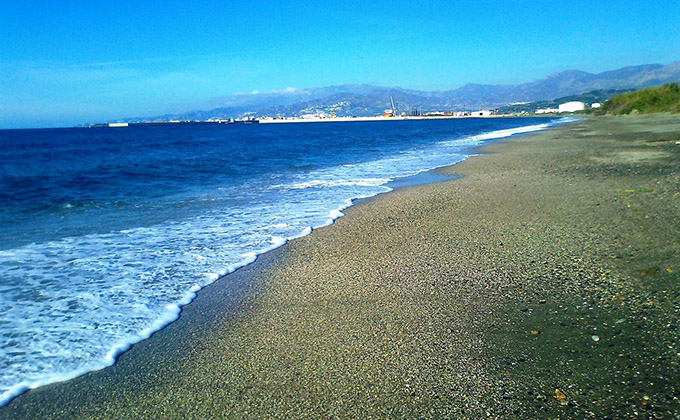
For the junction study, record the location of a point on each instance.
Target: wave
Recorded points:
(321, 183)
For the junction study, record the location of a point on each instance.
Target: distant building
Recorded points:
(482, 113)
(547, 111)
(572, 106)
(596, 105)
(313, 116)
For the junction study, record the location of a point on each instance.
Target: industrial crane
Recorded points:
(391, 112)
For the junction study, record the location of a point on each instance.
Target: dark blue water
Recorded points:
(105, 232)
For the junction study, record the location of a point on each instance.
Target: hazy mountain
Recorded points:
(570, 82)
(287, 96)
(362, 99)
(348, 104)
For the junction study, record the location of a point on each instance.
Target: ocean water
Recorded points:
(106, 232)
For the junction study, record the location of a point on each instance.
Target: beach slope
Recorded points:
(543, 283)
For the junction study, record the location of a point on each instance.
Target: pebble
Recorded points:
(561, 397)
(595, 338)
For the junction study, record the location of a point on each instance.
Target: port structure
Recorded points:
(393, 111)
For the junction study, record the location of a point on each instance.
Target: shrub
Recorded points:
(664, 98)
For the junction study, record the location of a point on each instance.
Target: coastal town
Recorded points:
(393, 113)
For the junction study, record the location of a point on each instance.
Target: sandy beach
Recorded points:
(540, 283)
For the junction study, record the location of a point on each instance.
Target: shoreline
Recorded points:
(424, 176)
(253, 334)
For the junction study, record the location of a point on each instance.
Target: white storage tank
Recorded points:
(572, 106)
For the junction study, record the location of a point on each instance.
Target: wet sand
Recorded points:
(541, 284)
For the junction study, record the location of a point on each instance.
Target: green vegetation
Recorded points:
(664, 98)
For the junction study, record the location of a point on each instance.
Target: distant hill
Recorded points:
(362, 99)
(570, 82)
(664, 98)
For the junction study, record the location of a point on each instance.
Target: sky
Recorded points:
(66, 63)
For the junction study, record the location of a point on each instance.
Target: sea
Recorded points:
(105, 233)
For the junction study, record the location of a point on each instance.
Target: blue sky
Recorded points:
(72, 62)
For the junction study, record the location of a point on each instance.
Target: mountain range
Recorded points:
(363, 99)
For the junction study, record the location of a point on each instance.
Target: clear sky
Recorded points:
(72, 62)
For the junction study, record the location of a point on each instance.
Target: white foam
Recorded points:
(304, 232)
(277, 241)
(276, 226)
(320, 183)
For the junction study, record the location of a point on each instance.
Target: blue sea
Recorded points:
(106, 232)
